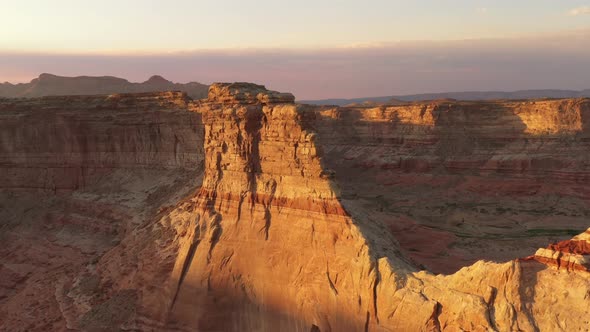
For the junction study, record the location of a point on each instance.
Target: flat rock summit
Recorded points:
(245, 211)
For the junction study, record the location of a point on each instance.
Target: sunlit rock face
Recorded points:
(461, 181)
(269, 243)
(570, 255)
(307, 218)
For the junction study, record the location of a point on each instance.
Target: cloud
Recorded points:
(584, 10)
(548, 61)
(481, 10)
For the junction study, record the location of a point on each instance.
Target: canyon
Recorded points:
(245, 211)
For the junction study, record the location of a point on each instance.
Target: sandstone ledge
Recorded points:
(246, 93)
(571, 254)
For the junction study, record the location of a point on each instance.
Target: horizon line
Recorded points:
(316, 99)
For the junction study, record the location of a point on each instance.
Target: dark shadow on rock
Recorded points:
(526, 290)
(232, 310)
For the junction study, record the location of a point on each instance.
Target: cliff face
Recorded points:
(570, 255)
(458, 182)
(317, 219)
(273, 244)
(270, 243)
(62, 143)
(77, 175)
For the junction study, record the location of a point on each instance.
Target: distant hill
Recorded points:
(52, 85)
(467, 95)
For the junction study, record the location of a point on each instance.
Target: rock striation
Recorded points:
(571, 254)
(63, 143)
(269, 244)
(266, 200)
(78, 174)
(460, 181)
(302, 218)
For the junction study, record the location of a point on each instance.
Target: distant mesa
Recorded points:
(157, 79)
(452, 96)
(53, 85)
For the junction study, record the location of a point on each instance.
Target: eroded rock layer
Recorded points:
(305, 218)
(267, 244)
(62, 143)
(571, 254)
(77, 176)
(460, 181)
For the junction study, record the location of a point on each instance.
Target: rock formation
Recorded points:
(57, 143)
(53, 85)
(571, 254)
(306, 219)
(462, 181)
(77, 175)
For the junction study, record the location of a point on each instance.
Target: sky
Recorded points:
(315, 49)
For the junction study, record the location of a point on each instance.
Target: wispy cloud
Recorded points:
(561, 60)
(584, 10)
(481, 10)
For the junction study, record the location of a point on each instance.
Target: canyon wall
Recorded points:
(270, 243)
(77, 176)
(62, 143)
(418, 217)
(461, 181)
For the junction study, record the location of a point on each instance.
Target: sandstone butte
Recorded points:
(248, 212)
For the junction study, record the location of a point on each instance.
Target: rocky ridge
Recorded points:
(53, 85)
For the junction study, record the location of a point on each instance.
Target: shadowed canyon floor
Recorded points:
(247, 212)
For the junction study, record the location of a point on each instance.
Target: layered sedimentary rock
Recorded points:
(275, 237)
(461, 181)
(571, 254)
(62, 143)
(274, 245)
(269, 244)
(77, 175)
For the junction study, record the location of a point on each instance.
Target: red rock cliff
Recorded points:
(63, 143)
(77, 176)
(276, 238)
(268, 244)
(460, 181)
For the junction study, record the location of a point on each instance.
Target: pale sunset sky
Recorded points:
(315, 49)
